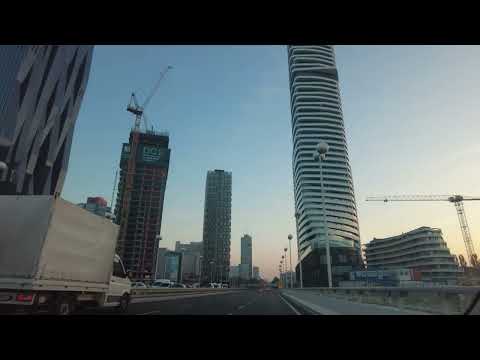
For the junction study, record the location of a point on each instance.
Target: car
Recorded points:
(162, 283)
(139, 285)
(178, 285)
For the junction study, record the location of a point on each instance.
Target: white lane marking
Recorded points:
(230, 314)
(137, 301)
(168, 298)
(290, 305)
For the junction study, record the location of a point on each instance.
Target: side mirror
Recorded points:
(129, 274)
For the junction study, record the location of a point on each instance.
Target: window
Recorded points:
(118, 270)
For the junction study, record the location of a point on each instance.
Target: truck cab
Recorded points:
(120, 286)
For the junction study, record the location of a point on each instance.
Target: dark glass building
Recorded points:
(41, 90)
(140, 224)
(217, 226)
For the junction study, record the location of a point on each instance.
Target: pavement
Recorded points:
(316, 304)
(242, 302)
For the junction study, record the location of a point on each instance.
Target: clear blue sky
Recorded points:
(411, 115)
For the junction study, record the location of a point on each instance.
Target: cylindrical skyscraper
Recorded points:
(317, 116)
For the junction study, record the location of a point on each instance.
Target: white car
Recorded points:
(162, 283)
(139, 285)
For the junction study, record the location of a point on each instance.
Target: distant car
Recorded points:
(163, 283)
(139, 285)
(178, 285)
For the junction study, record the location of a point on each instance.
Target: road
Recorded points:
(243, 302)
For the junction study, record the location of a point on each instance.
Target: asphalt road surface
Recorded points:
(243, 302)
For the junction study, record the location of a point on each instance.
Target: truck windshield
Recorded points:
(118, 270)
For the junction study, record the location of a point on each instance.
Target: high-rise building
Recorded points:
(256, 273)
(97, 205)
(140, 223)
(169, 265)
(41, 90)
(246, 256)
(317, 116)
(423, 250)
(245, 271)
(217, 226)
(234, 272)
(191, 260)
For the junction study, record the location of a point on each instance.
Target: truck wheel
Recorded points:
(65, 306)
(124, 302)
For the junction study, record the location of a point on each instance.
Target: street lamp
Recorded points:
(286, 267)
(319, 155)
(158, 238)
(211, 270)
(282, 271)
(290, 237)
(3, 171)
(200, 263)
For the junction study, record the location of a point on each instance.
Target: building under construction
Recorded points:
(141, 189)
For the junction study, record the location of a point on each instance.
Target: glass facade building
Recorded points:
(41, 90)
(317, 116)
(246, 260)
(217, 226)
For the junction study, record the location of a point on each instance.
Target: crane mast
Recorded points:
(457, 200)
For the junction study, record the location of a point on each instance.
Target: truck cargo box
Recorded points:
(48, 242)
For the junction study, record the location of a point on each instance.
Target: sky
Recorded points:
(411, 118)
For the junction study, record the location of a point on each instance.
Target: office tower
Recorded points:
(246, 257)
(140, 221)
(169, 265)
(41, 90)
(423, 250)
(191, 260)
(217, 226)
(97, 205)
(234, 272)
(317, 116)
(256, 273)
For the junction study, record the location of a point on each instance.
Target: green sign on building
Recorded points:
(152, 154)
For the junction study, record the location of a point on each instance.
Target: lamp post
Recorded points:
(158, 238)
(281, 273)
(211, 270)
(319, 155)
(3, 171)
(286, 267)
(200, 263)
(297, 216)
(290, 237)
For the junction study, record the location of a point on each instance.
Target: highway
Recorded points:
(242, 302)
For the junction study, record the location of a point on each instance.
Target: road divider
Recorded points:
(444, 300)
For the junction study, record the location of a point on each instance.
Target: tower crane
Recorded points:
(457, 200)
(139, 112)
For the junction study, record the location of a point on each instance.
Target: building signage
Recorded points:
(153, 155)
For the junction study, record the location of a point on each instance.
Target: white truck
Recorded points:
(56, 257)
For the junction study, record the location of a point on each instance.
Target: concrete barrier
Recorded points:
(444, 300)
